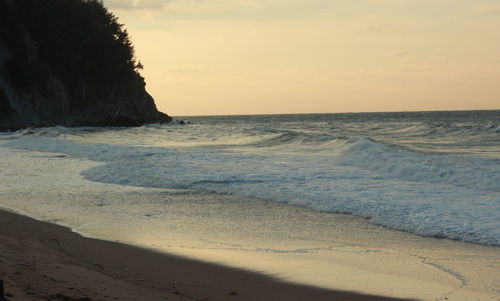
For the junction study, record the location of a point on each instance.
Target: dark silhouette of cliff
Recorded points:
(69, 62)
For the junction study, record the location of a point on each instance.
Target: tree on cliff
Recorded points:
(75, 35)
(71, 49)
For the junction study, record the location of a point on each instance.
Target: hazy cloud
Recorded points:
(491, 13)
(135, 4)
(230, 9)
(188, 69)
(301, 8)
(373, 29)
(401, 53)
(236, 50)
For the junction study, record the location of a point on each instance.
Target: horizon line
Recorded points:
(330, 113)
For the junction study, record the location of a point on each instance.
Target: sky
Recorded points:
(219, 57)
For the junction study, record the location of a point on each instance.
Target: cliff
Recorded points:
(69, 62)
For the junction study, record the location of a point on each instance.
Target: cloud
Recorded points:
(229, 9)
(491, 13)
(243, 9)
(135, 4)
(188, 69)
(301, 8)
(401, 53)
(373, 29)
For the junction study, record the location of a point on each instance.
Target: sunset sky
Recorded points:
(214, 57)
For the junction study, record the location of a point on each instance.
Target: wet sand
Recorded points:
(294, 244)
(43, 261)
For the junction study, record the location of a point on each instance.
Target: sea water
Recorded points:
(430, 173)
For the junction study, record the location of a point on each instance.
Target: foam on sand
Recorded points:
(438, 195)
(301, 245)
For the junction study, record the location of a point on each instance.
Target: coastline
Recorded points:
(40, 261)
(299, 245)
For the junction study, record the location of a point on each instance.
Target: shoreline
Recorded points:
(300, 245)
(40, 261)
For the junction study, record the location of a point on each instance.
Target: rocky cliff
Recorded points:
(69, 62)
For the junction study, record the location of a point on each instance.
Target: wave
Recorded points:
(427, 194)
(287, 138)
(491, 126)
(400, 163)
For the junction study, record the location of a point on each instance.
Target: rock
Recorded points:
(69, 63)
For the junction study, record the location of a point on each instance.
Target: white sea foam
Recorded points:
(481, 174)
(435, 195)
(220, 228)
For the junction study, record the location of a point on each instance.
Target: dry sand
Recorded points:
(43, 261)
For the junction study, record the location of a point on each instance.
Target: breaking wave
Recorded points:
(441, 195)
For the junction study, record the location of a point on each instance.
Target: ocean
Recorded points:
(433, 174)
(331, 200)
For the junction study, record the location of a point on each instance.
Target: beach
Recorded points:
(297, 207)
(43, 261)
(249, 150)
(278, 242)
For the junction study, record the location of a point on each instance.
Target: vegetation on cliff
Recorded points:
(69, 62)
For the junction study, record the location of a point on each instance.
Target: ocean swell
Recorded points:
(427, 194)
(397, 162)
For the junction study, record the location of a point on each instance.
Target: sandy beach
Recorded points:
(296, 150)
(43, 261)
(333, 251)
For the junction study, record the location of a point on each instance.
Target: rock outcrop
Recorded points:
(69, 62)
